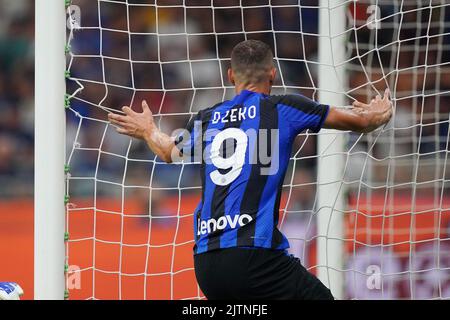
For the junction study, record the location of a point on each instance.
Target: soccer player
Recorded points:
(239, 252)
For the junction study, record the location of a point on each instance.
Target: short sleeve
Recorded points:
(302, 113)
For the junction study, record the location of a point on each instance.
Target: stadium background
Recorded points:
(16, 143)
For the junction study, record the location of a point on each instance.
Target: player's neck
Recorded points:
(264, 88)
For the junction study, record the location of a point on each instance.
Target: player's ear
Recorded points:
(231, 76)
(273, 75)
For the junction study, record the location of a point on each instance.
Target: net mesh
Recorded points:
(129, 216)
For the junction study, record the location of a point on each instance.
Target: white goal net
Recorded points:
(129, 216)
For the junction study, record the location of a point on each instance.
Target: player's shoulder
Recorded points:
(297, 101)
(293, 98)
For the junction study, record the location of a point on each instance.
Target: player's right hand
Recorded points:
(134, 124)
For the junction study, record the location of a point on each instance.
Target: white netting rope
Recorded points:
(393, 177)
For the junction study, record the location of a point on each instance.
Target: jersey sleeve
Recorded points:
(302, 113)
(189, 138)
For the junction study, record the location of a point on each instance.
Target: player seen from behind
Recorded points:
(244, 146)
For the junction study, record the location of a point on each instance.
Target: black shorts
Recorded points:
(256, 273)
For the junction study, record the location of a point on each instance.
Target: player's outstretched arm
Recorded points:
(142, 126)
(361, 117)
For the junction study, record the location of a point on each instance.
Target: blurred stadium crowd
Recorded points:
(184, 56)
(16, 98)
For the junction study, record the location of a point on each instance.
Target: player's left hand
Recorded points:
(134, 124)
(380, 109)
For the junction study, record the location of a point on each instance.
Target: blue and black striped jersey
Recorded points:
(244, 146)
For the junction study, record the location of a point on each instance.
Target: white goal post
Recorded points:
(331, 163)
(49, 252)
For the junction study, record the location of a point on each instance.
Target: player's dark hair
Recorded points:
(252, 61)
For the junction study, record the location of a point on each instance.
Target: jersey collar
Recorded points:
(243, 95)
